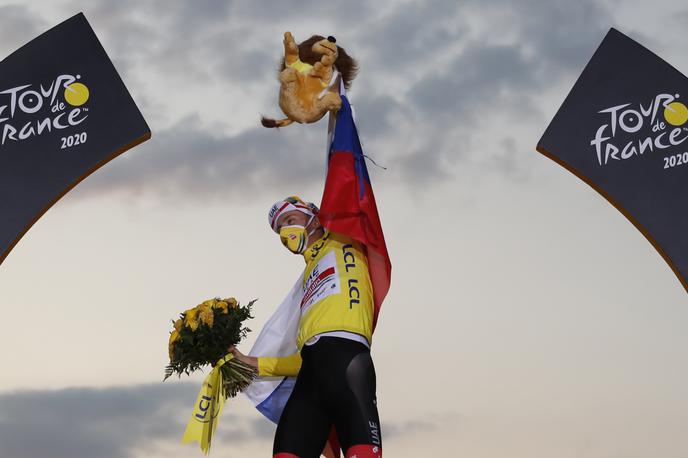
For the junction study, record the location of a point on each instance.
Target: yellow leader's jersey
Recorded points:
(337, 296)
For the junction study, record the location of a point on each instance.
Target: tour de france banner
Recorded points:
(64, 112)
(623, 129)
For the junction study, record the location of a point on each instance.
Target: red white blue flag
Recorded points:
(348, 204)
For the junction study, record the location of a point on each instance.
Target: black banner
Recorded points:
(64, 112)
(623, 129)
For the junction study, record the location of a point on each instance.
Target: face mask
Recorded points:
(295, 238)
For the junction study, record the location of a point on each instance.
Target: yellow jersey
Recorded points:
(337, 296)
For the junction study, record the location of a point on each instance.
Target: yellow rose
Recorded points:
(207, 316)
(209, 302)
(232, 302)
(191, 318)
(190, 315)
(222, 305)
(174, 336)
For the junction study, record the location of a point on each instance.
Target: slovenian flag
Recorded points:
(348, 204)
(348, 207)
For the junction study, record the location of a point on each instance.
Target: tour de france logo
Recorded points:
(631, 130)
(56, 107)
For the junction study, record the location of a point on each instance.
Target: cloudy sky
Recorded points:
(527, 317)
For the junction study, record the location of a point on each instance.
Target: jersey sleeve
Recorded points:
(288, 366)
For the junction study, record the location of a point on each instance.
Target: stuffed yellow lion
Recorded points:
(309, 75)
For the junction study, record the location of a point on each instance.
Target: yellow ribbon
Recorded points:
(208, 407)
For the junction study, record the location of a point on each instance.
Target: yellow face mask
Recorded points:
(294, 238)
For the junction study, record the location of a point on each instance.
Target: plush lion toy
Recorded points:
(308, 79)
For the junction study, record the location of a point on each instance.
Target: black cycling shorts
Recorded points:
(335, 386)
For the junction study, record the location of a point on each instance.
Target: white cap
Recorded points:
(288, 204)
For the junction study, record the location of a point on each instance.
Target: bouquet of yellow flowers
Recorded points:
(202, 336)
